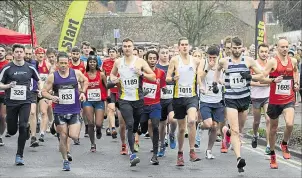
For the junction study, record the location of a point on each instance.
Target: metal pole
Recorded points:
(30, 25)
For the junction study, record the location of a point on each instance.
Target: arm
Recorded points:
(114, 71)
(82, 80)
(170, 71)
(258, 73)
(147, 71)
(218, 70)
(103, 78)
(48, 87)
(270, 65)
(200, 72)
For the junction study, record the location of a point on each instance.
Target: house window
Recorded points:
(270, 19)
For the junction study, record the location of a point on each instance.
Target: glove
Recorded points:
(215, 87)
(246, 75)
(110, 85)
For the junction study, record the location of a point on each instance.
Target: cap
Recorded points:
(39, 50)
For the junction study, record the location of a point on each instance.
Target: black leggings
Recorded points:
(131, 112)
(14, 113)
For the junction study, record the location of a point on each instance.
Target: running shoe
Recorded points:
(285, 151)
(180, 159)
(1, 142)
(226, 139)
(34, 142)
(19, 160)
(93, 148)
(154, 160)
(273, 163)
(69, 157)
(66, 165)
(124, 150)
(136, 147)
(172, 141)
(134, 160)
(98, 133)
(218, 138)
(41, 139)
(162, 151)
(114, 134)
(8, 135)
(209, 155)
(267, 150)
(108, 132)
(240, 164)
(193, 156)
(147, 136)
(76, 142)
(254, 141)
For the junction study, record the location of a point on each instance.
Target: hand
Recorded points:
(211, 64)
(82, 97)
(202, 91)
(115, 80)
(164, 90)
(12, 84)
(176, 77)
(246, 75)
(215, 87)
(39, 94)
(55, 99)
(278, 79)
(138, 71)
(296, 87)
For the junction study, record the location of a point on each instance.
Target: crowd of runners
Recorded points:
(161, 92)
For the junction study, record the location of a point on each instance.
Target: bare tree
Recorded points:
(15, 11)
(190, 18)
(289, 13)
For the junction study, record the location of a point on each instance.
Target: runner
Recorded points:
(67, 97)
(185, 100)
(51, 55)
(260, 97)
(167, 112)
(211, 107)
(237, 94)
(34, 127)
(3, 62)
(15, 78)
(9, 56)
(96, 94)
(152, 107)
(77, 64)
(131, 70)
(44, 69)
(107, 67)
(283, 74)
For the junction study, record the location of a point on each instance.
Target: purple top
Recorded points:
(68, 92)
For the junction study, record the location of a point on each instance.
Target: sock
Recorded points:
(273, 152)
(180, 152)
(284, 143)
(42, 133)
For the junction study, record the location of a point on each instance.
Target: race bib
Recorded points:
(18, 93)
(185, 91)
(94, 94)
(151, 89)
(66, 96)
(168, 94)
(209, 89)
(43, 77)
(236, 81)
(130, 83)
(283, 87)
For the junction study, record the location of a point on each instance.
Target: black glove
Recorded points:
(246, 75)
(110, 85)
(215, 88)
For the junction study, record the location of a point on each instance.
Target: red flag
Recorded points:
(32, 29)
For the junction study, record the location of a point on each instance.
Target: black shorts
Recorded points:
(2, 99)
(68, 119)
(258, 103)
(113, 98)
(181, 106)
(166, 108)
(34, 97)
(240, 105)
(274, 110)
